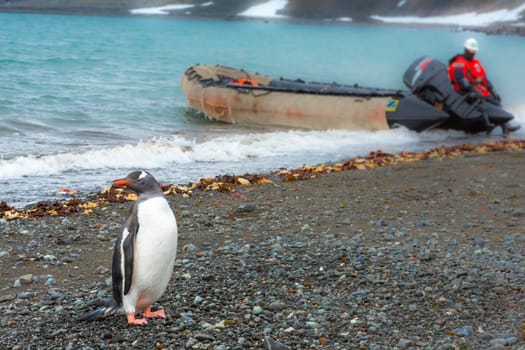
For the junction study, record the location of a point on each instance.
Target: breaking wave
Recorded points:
(278, 148)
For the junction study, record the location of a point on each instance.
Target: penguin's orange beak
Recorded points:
(121, 182)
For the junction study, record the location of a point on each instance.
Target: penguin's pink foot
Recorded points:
(152, 314)
(136, 321)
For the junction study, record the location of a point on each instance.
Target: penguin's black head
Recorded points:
(140, 182)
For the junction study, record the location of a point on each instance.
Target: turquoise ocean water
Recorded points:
(84, 100)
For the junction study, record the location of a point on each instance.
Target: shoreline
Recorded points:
(229, 183)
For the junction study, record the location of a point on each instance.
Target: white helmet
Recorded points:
(471, 44)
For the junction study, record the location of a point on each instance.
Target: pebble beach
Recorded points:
(420, 255)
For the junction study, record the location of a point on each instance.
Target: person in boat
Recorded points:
(468, 76)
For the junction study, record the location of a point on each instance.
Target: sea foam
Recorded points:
(519, 115)
(302, 146)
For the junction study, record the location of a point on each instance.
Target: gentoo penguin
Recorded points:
(144, 253)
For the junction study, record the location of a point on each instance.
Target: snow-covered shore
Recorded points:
(501, 17)
(466, 19)
(272, 9)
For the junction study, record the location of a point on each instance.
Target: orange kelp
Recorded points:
(227, 183)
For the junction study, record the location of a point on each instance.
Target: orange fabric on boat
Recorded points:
(245, 82)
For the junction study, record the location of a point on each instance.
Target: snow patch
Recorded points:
(344, 19)
(401, 3)
(466, 19)
(268, 9)
(161, 10)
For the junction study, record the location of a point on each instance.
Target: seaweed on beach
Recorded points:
(379, 159)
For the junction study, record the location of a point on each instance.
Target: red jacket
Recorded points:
(465, 74)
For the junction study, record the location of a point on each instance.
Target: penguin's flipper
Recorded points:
(122, 268)
(128, 247)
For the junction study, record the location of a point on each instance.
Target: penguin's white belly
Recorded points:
(154, 254)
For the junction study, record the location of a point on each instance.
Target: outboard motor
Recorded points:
(428, 79)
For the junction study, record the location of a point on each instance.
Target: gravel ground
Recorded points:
(423, 255)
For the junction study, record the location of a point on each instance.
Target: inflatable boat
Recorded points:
(236, 96)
